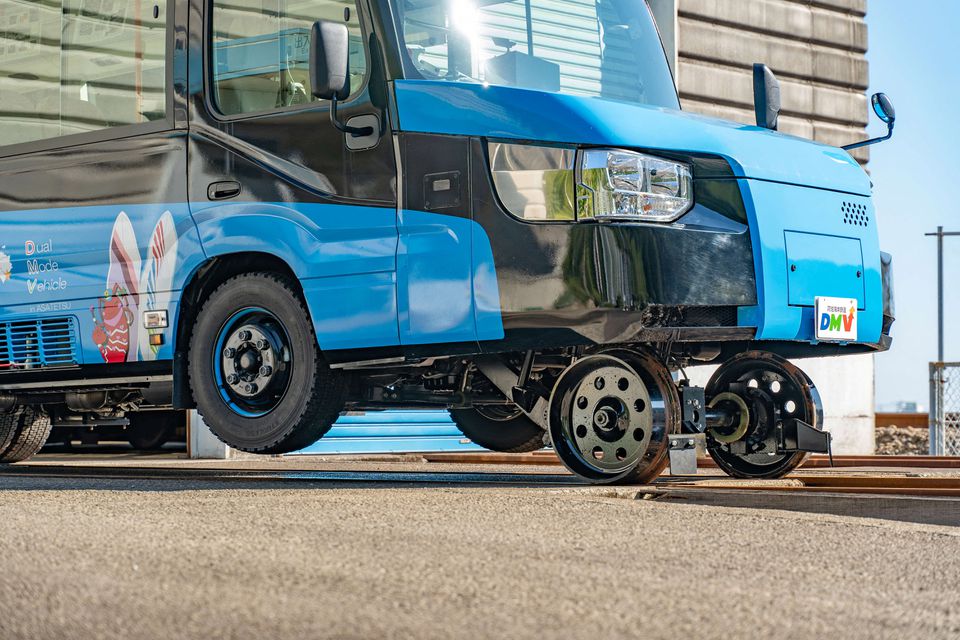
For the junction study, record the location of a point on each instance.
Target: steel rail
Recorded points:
(815, 461)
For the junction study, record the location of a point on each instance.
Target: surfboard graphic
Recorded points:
(115, 315)
(156, 281)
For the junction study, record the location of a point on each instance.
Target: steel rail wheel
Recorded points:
(610, 415)
(774, 390)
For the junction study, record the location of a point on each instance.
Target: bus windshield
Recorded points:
(596, 48)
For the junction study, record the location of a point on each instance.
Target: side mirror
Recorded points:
(884, 109)
(766, 97)
(330, 70)
(329, 60)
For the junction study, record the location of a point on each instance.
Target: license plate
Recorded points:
(835, 318)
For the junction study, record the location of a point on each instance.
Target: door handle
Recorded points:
(223, 190)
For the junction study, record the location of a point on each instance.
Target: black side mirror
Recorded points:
(329, 60)
(884, 109)
(766, 96)
(330, 70)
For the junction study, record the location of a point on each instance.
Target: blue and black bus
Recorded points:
(274, 211)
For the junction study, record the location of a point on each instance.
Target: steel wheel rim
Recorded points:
(637, 429)
(252, 362)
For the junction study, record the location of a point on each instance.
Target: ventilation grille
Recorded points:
(31, 344)
(709, 317)
(855, 214)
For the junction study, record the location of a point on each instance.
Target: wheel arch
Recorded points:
(209, 275)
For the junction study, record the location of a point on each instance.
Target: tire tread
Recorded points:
(23, 432)
(327, 391)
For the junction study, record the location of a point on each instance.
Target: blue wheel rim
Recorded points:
(266, 327)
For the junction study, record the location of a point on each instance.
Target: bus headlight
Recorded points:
(614, 183)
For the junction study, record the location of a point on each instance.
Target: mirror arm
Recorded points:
(863, 143)
(357, 132)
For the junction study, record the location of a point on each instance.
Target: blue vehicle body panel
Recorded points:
(822, 265)
(345, 257)
(98, 265)
(521, 114)
(448, 280)
(349, 260)
(370, 278)
(831, 246)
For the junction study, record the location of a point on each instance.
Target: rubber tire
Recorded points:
(315, 396)
(150, 430)
(23, 432)
(516, 435)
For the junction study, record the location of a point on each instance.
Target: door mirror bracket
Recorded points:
(884, 109)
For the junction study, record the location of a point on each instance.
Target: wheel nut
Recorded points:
(244, 335)
(250, 388)
(229, 352)
(233, 378)
(266, 370)
(263, 345)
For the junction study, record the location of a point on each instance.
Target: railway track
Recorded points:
(925, 477)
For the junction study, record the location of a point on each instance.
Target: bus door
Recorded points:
(269, 172)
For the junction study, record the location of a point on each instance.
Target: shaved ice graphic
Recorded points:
(116, 317)
(112, 320)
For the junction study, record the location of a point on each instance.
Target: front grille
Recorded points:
(32, 344)
(855, 214)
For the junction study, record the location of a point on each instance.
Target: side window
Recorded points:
(261, 51)
(71, 66)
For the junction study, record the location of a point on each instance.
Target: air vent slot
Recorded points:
(33, 344)
(855, 214)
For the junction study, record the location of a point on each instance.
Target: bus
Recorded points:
(276, 211)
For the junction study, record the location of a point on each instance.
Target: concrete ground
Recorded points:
(325, 554)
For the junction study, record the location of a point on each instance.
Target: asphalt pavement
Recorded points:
(341, 558)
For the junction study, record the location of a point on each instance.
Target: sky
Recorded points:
(914, 57)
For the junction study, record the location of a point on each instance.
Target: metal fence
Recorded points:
(945, 408)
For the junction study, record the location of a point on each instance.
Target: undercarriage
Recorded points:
(614, 414)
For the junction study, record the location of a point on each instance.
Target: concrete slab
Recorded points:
(125, 557)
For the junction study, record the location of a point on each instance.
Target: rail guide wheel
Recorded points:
(610, 415)
(760, 393)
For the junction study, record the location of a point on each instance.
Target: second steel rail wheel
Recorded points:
(775, 390)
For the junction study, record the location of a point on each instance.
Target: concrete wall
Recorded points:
(817, 49)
